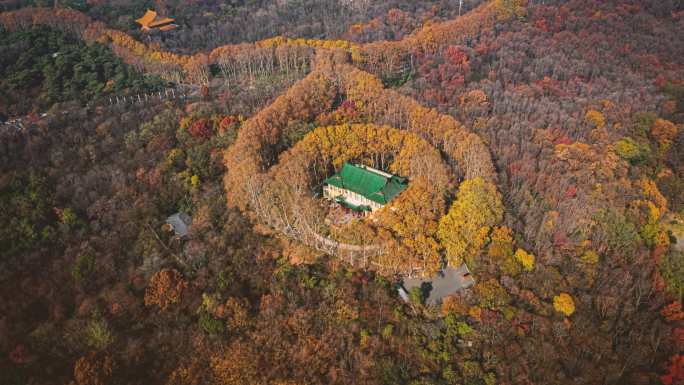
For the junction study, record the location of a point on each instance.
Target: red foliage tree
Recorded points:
(201, 128)
(673, 312)
(226, 123)
(678, 337)
(675, 371)
(20, 355)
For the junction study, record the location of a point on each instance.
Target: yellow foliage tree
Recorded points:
(400, 152)
(590, 257)
(492, 295)
(413, 220)
(563, 303)
(595, 118)
(651, 210)
(526, 259)
(464, 230)
(506, 9)
(650, 191)
(501, 245)
(500, 249)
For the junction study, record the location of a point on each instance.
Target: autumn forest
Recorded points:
(165, 215)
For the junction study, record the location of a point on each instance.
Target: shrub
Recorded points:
(642, 123)
(210, 324)
(417, 295)
(363, 337)
(590, 257)
(83, 267)
(463, 329)
(672, 270)
(632, 151)
(387, 331)
(99, 336)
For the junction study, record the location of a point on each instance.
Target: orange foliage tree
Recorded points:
(389, 57)
(673, 312)
(94, 369)
(465, 151)
(165, 288)
(237, 366)
(412, 223)
(261, 138)
(664, 132)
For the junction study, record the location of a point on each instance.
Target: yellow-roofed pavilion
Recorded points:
(152, 20)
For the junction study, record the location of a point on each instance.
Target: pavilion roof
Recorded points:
(152, 20)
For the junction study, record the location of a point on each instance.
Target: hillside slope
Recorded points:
(543, 145)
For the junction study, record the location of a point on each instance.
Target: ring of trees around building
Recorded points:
(275, 168)
(406, 227)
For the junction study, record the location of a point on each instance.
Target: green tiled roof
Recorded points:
(375, 185)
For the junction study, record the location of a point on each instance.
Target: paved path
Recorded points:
(447, 282)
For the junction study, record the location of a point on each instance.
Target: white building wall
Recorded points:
(330, 192)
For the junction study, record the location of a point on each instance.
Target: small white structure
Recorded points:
(403, 294)
(180, 223)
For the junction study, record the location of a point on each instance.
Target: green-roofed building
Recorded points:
(363, 188)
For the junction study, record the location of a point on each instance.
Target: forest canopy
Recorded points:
(186, 240)
(45, 66)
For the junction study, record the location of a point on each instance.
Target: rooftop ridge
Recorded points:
(375, 170)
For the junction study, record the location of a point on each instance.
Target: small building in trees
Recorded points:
(363, 189)
(151, 21)
(179, 223)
